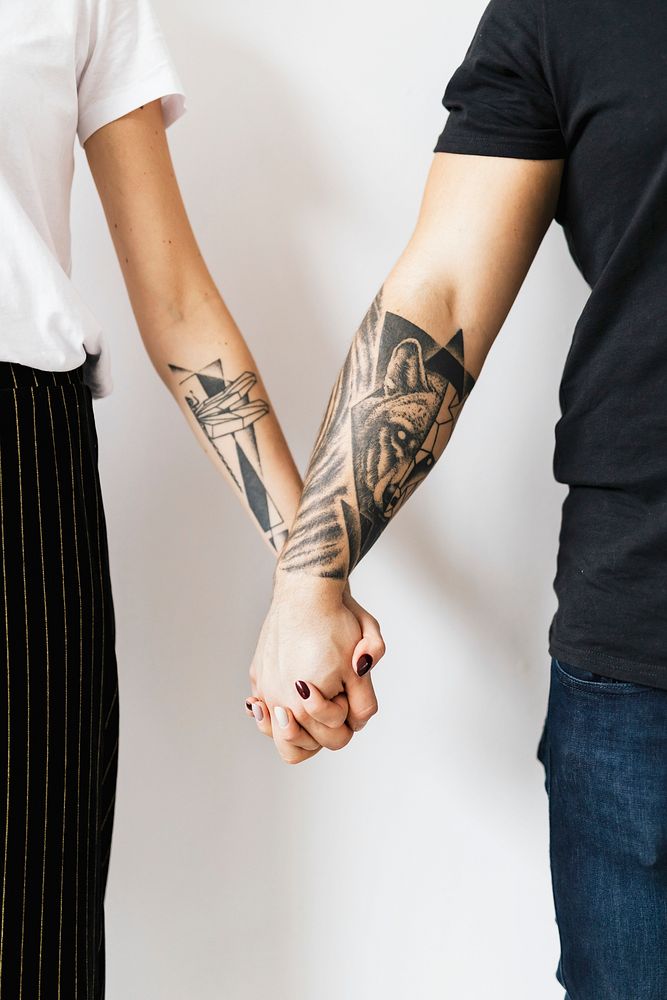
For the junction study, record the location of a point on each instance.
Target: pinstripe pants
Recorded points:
(58, 691)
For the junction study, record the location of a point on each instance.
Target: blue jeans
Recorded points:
(604, 751)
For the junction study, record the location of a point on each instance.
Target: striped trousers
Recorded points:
(58, 691)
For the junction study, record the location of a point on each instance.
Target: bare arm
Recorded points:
(188, 332)
(410, 369)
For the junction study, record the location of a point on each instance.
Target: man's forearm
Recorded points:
(390, 416)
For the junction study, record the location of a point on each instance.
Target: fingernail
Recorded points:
(248, 705)
(303, 689)
(364, 664)
(257, 711)
(281, 717)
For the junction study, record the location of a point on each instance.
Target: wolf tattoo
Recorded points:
(398, 396)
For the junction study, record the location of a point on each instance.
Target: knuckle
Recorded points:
(339, 720)
(340, 740)
(367, 712)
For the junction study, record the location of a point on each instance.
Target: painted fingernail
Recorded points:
(364, 664)
(303, 689)
(248, 705)
(282, 717)
(257, 711)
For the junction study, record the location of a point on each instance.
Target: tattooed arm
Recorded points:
(390, 416)
(409, 371)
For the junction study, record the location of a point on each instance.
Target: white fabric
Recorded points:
(67, 67)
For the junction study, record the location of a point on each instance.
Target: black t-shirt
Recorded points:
(587, 82)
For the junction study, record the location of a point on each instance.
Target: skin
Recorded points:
(184, 322)
(481, 222)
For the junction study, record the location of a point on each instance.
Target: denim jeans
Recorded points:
(604, 751)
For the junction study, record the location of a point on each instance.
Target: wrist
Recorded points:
(294, 585)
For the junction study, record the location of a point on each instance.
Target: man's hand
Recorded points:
(310, 674)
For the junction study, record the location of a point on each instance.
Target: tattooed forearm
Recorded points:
(390, 416)
(227, 416)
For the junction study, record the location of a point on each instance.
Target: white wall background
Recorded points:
(414, 864)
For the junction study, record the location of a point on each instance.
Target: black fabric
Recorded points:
(58, 690)
(586, 82)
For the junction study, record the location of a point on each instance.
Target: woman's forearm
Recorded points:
(207, 366)
(186, 328)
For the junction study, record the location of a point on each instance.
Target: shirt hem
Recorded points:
(163, 84)
(478, 145)
(649, 674)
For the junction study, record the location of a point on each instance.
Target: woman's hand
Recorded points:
(310, 675)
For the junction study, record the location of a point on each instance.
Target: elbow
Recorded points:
(418, 290)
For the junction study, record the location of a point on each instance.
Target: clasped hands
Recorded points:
(310, 676)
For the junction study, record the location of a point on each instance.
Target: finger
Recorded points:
(371, 647)
(330, 739)
(260, 714)
(329, 713)
(361, 696)
(286, 730)
(295, 755)
(306, 733)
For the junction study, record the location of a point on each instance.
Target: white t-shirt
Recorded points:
(67, 67)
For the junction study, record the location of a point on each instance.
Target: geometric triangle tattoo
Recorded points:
(227, 416)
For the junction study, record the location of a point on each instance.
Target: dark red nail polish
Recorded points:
(303, 689)
(364, 664)
(248, 705)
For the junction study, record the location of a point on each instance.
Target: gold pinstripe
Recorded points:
(92, 689)
(66, 655)
(9, 716)
(103, 614)
(106, 857)
(78, 776)
(48, 698)
(113, 702)
(108, 811)
(108, 767)
(27, 678)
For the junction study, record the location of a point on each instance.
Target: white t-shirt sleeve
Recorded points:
(123, 63)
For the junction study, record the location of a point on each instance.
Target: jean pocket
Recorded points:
(585, 680)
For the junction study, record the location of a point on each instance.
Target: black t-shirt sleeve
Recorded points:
(498, 99)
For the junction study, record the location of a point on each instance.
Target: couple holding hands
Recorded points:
(545, 122)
